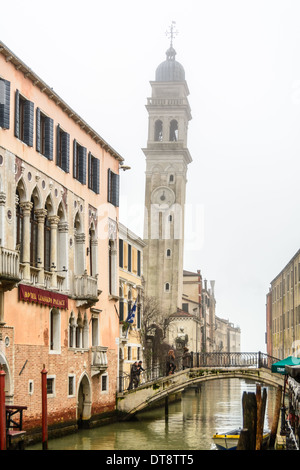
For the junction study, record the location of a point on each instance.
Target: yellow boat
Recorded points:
(230, 439)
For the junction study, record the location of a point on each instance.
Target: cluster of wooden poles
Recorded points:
(254, 407)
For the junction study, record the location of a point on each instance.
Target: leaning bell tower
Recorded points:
(167, 159)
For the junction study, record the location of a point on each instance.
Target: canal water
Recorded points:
(192, 421)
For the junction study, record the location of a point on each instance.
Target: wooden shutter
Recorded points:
(115, 189)
(65, 157)
(28, 122)
(109, 178)
(75, 159)
(121, 253)
(58, 155)
(4, 104)
(82, 164)
(90, 171)
(17, 114)
(38, 130)
(95, 174)
(49, 138)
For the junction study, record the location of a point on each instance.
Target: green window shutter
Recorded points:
(75, 158)
(58, 156)
(90, 171)
(49, 138)
(17, 114)
(38, 130)
(115, 189)
(66, 152)
(109, 173)
(4, 104)
(82, 164)
(28, 122)
(96, 176)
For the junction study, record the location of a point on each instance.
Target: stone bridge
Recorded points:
(133, 401)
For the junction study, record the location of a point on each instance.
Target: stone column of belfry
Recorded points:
(53, 256)
(26, 208)
(41, 215)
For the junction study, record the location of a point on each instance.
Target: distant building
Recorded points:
(227, 336)
(130, 293)
(283, 311)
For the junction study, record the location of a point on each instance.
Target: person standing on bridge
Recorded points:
(170, 363)
(138, 373)
(186, 358)
(133, 375)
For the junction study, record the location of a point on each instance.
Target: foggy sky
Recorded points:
(242, 65)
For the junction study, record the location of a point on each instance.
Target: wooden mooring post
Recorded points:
(276, 417)
(254, 406)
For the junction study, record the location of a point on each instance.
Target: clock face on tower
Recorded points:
(163, 196)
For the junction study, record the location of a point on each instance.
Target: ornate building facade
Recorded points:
(59, 190)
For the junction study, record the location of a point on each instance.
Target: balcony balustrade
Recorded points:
(86, 288)
(99, 359)
(9, 268)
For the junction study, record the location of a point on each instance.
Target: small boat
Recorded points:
(229, 440)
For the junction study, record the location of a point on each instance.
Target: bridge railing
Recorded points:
(145, 376)
(212, 359)
(232, 359)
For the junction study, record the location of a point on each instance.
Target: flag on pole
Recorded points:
(131, 314)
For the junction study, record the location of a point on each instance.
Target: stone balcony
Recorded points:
(99, 359)
(86, 289)
(9, 268)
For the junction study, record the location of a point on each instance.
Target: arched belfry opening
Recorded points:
(173, 137)
(158, 131)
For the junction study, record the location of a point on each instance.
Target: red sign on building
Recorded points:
(44, 297)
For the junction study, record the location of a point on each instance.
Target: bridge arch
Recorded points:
(137, 400)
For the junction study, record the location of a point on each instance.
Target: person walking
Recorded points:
(186, 358)
(138, 372)
(170, 363)
(133, 374)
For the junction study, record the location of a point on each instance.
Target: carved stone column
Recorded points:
(26, 208)
(79, 261)
(41, 215)
(63, 251)
(53, 256)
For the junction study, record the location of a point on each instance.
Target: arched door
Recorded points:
(84, 404)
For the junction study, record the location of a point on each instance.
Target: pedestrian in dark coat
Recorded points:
(186, 358)
(138, 373)
(133, 374)
(170, 363)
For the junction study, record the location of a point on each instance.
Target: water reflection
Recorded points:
(215, 407)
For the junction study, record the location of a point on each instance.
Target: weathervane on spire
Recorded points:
(171, 32)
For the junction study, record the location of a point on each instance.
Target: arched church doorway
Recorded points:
(84, 405)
